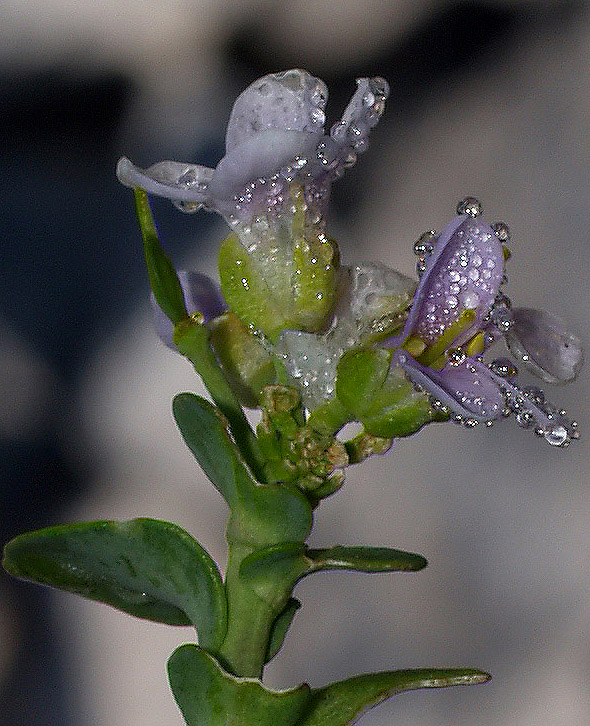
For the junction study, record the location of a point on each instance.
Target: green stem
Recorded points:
(250, 621)
(192, 340)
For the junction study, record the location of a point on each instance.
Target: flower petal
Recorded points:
(464, 273)
(171, 179)
(258, 158)
(288, 101)
(201, 295)
(469, 390)
(275, 138)
(544, 345)
(532, 411)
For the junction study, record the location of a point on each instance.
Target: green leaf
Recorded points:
(163, 278)
(262, 514)
(280, 627)
(288, 562)
(366, 559)
(209, 696)
(147, 568)
(343, 703)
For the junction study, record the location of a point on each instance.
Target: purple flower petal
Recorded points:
(275, 138)
(532, 411)
(464, 273)
(201, 295)
(174, 180)
(258, 157)
(544, 345)
(469, 390)
(289, 101)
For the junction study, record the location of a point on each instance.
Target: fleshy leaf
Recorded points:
(288, 562)
(209, 696)
(343, 703)
(145, 567)
(280, 627)
(261, 514)
(366, 559)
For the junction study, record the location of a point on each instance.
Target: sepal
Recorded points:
(144, 567)
(163, 277)
(377, 394)
(208, 695)
(247, 365)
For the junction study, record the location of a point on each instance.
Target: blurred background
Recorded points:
(489, 98)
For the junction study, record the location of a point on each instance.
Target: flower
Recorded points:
(459, 310)
(275, 138)
(279, 271)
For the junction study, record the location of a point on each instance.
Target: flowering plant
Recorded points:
(313, 345)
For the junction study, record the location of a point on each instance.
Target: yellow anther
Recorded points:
(434, 351)
(440, 362)
(476, 346)
(507, 253)
(198, 318)
(415, 347)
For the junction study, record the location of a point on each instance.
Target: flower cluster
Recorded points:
(282, 278)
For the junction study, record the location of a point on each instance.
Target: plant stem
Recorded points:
(249, 621)
(192, 340)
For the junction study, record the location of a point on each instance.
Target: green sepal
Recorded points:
(378, 395)
(208, 695)
(247, 365)
(147, 568)
(317, 263)
(288, 562)
(284, 280)
(361, 375)
(280, 627)
(343, 703)
(261, 514)
(260, 299)
(192, 339)
(163, 278)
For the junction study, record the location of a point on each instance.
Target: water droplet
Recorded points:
(470, 300)
(557, 436)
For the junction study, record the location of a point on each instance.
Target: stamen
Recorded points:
(415, 347)
(433, 352)
(440, 363)
(477, 345)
